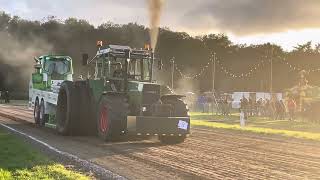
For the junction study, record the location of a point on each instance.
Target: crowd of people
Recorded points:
(274, 108)
(224, 106)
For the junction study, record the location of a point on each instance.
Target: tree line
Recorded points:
(76, 36)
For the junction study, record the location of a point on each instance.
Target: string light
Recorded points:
(203, 70)
(228, 72)
(295, 68)
(251, 71)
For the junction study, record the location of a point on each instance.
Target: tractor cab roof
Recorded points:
(120, 51)
(55, 57)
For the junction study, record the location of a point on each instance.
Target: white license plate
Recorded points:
(183, 125)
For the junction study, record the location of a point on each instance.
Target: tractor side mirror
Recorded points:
(127, 54)
(37, 66)
(85, 58)
(36, 60)
(160, 65)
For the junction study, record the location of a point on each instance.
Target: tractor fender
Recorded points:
(112, 93)
(171, 96)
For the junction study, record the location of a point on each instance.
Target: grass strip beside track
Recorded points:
(288, 133)
(18, 160)
(298, 128)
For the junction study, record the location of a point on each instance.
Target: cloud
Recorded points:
(95, 11)
(239, 17)
(252, 16)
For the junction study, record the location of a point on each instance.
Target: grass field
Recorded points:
(18, 160)
(298, 128)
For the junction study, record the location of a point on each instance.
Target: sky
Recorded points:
(283, 22)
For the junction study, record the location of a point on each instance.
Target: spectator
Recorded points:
(259, 107)
(278, 110)
(209, 103)
(1, 97)
(225, 107)
(251, 106)
(244, 106)
(201, 102)
(267, 108)
(283, 110)
(273, 109)
(291, 108)
(7, 97)
(263, 113)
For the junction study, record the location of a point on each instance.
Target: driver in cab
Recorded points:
(119, 72)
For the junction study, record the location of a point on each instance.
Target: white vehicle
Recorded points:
(50, 72)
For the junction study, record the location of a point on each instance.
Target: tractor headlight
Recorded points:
(144, 109)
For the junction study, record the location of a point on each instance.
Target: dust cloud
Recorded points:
(155, 9)
(184, 86)
(186, 81)
(18, 55)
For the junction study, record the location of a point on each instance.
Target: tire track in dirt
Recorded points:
(257, 149)
(214, 154)
(128, 162)
(236, 158)
(114, 162)
(257, 145)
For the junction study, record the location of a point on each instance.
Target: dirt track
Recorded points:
(207, 154)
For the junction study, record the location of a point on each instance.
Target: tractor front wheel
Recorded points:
(86, 105)
(179, 109)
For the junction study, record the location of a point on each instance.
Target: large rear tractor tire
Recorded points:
(179, 110)
(66, 109)
(111, 117)
(86, 109)
(36, 112)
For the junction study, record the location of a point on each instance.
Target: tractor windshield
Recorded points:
(58, 66)
(139, 69)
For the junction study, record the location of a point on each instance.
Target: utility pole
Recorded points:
(213, 70)
(271, 71)
(213, 55)
(172, 72)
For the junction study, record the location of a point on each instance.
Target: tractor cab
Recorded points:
(57, 67)
(125, 68)
(51, 71)
(122, 62)
(128, 71)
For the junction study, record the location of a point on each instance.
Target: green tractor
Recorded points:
(120, 98)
